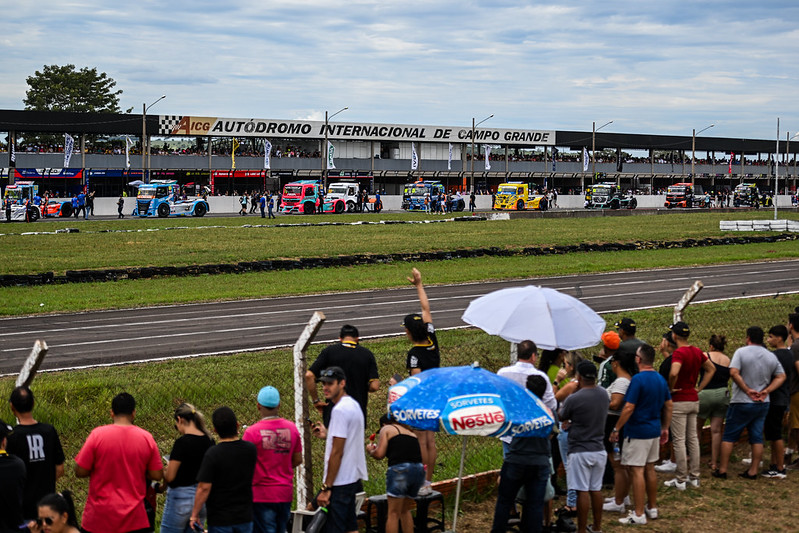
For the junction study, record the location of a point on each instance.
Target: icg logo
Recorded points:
(475, 414)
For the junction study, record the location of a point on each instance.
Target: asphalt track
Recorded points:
(126, 335)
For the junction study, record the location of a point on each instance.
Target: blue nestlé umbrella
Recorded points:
(468, 400)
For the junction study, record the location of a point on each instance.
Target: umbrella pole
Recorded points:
(458, 488)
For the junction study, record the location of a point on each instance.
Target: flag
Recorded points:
(554, 156)
(267, 153)
(585, 159)
(69, 145)
(128, 146)
(13, 149)
(331, 150)
(233, 154)
(729, 168)
(619, 161)
(449, 161)
(487, 150)
(414, 158)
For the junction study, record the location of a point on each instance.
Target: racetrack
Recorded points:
(119, 336)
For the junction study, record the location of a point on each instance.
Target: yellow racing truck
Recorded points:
(518, 196)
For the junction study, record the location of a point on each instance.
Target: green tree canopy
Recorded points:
(62, 88)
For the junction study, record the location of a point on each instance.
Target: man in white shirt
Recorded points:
(527, 353)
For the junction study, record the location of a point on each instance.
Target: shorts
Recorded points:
(640, 452)
(749, 416)
(341, 515)
(772, 428)
(585, 470)
(793, 420)
(713, 403)
(404, 480)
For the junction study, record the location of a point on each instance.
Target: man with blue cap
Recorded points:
(277, 442)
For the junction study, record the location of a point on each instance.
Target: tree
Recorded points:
(62, 88)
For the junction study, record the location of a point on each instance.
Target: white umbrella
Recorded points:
(136, 183)
(547, 317)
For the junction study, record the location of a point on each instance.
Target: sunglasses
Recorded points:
(47, 520)
(327, 374)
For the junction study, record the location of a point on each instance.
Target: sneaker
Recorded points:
(651, 514)
(613, 499)
(666, 466)
(674, 483)
(748, 461)
(745, 474)
(633, 519)
(693, 482)
(719, 475)
(614, 507)
(794, 465)
(590, 529)
(426, 489)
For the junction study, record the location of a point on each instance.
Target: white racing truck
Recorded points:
(342, 196)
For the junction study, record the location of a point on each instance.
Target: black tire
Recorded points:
(33, 214)
(614, 204)
(66, 210)
(200, 210)
(543, 205)
(339, 207)
(308, 208)
(163, 210)
(351, 206)
(520, 205)
(461, 205)
(633, 203)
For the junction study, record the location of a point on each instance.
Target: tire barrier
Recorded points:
(304, 263)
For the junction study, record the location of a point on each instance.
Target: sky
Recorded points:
(663, 67)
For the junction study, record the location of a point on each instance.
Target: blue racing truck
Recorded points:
(161, 198)
(413, 197)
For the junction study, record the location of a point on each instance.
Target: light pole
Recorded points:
(693, 150)
(594, 129)
(473, 133)
(145, 152)
(325, 152)
(788, 139)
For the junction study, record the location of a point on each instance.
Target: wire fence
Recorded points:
(77, 401)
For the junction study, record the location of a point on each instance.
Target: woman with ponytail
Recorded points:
(180, 475)
(56, 514)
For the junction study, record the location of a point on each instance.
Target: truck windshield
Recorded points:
(507, 189)
(146, 192)
(292, 190)
(337, 190)
(676, 190)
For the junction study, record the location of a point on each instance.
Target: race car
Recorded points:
(57, 208)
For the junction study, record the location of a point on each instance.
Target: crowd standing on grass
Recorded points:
(230, 484)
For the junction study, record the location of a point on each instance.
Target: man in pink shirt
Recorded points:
(279, 448)
(118, 459)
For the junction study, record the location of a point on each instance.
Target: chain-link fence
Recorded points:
(79, 400)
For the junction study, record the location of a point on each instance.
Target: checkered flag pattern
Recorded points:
(167, 123)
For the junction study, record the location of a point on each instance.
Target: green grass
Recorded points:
(172, 290)
(25, 254)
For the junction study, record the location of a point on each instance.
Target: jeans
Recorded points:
(177, 510)
(270, 517)
(534, 480)
(563, 444)
(685, 439)
(246, 527)
(341, 509)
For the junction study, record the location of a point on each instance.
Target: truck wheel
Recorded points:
(543, 205)
(308, 208)
(520, 205)
(614, 204)
(351, 207)
(66, 210)
(461, 205)
(200, 210)
(339, 208)
(633, 203)
(163, 210)
(34, 214)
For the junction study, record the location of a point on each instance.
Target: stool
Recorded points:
(422, 522)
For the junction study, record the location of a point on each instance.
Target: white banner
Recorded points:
(585, 159)
(449, 161)
(330, 151)
(487, 150)
(69, 145)
(267, 153)
(13, 149)
(414, 158)
(128, 145)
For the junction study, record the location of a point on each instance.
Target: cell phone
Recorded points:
(310, 422)
(196, 526)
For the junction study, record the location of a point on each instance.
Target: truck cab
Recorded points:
(747, 195)
(608, 195)
(161, 198)
(342, 196)
(301, 197)
(518, 196)
(23, 195)
(680, 195)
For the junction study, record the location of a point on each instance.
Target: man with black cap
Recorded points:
(423, 355)
(629, 342)
(12, 473)
(279, 448)
(345, 458)
(686, 362)
(583, 414)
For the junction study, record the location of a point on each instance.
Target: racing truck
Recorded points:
(518, 196)
(680, 195)
(608, 195)
(24, 196)
(342, 196)
(748, 195)
(414, 195)
(301, 197)
(160, 198)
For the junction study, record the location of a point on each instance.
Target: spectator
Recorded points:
(629, 343)
(358, 364)
(120, 205)
(610, 343)
(551, 363)
(755, 372)
(12, 473)
(778, 405)
(405, 474)
(527, 464)
(279, 452)
(686, 362)
(262, 205)
(182, 467)
(714, 398)
(526, 353)
(423, 355)
(569, 386)
(118, 458)
(271, 205)
(39, 447)
(56, 514)
(645, 422)
(345, 461)
(224, 482)
(666, 349)
(793, 419)
(243, 203)
(583, 415)
(472, 202)
(623, 365)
